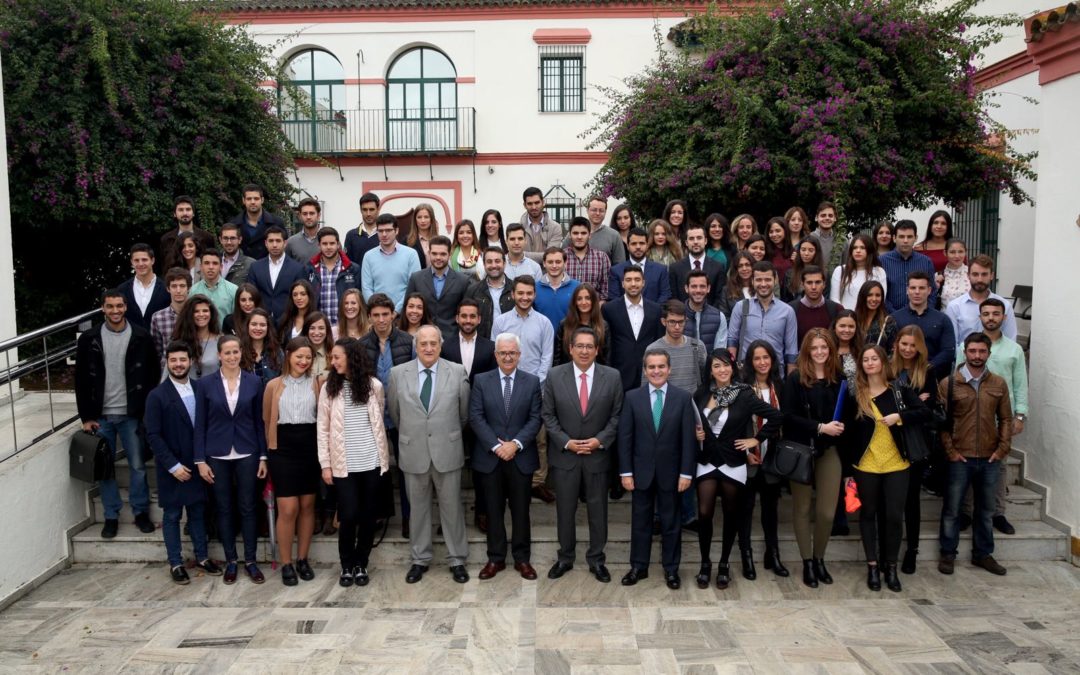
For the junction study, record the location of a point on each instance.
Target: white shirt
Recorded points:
(652, 402)
(496, 294)
(231, 397)
(636, 312)
(143, 293)
(700, 260)
(850, 295)
(502, 383)
(227, 262)
(186, 391)
(468, 352)
(275, 268)
(588, 378)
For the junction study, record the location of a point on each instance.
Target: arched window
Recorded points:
(312, 104)
(421, 102)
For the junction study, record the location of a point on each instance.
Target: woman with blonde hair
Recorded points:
(742, 228)
(664, 245)
(352, 316)
(798, 225)
(424, 227)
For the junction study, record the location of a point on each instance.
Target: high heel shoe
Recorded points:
(748, 571)
(820, 572)
(704, 575)
(772, 562)
(808, 576)
(909, 561)
(873, 577)
(892, 580)
(723, 576)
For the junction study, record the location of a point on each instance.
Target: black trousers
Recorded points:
(770, 502)
(507, 484)
(569, 484)
(645, 504)
(882, 493)
(912, 508)
(358, 505)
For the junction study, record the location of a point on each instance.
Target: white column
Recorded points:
(7, 268)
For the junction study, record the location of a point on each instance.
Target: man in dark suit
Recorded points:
(504, 412)
(150, 295)
(679, 272)
(170, 431)
(274, 275)
(657, 283)
(582, 402)
(657, 450)
(443, 288)
(255, 222)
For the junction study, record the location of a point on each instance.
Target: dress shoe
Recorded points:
(873, 577)
(346, 578)
(526, 571)
(634, 576)
(558, 569)
(404, 527)
(748, 571)
(908, 566)
(820, 572)
(415, 573)
(1002, 525)
(808, 576)
(892, 579)
(772, 562)
(543, 493)
(482, 522)
(723, 576)
(112, 526)
(704, 575)
(180, 575)
(360, 576)
(601, 573)
(254, 573)
(230, 572)
(142, 521)
(672, 580)
(963, 522)
(288, 575)
(989, 564)
(303, 568)
(209, 568)
(460, 574)
(617, 493)
(946, 563)
(491, 569)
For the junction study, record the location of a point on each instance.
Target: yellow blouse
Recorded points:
(882, 456)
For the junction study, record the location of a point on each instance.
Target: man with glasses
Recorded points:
(602, 237)
(387, 269)
(235, 266)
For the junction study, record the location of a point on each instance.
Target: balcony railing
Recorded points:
(439, 131)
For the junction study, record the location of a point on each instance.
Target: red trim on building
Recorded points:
(366, 80)
(414, 189)
(562, 36)
(1005, 70)
(1055, 48)
(501, 158)
(465, 80)
(430, 14)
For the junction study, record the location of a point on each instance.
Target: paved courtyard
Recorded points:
(131, 618)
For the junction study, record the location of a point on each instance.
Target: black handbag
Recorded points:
(89, 459)
(790, 460)
(911, 439)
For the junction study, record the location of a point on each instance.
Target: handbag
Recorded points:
(911, 440)
(89, 459)
(790, 460)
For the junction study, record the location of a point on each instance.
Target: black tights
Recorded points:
(770, 500)
(731, 495)
(882, 493)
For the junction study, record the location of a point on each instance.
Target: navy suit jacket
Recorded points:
(626, 352)
(658, 455)
(217, 431)
(487, 417)
(657, 283)
(171, 437)
(159, 299)
(275, 297)
(483, 355)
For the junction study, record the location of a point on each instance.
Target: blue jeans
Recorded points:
(170, 527)
(243, 473)
(125, 429)
(982, 475)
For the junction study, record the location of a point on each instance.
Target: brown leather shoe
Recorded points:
(543, 493)
(526, 570)
(491, 569)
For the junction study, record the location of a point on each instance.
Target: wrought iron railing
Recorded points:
(446, 131)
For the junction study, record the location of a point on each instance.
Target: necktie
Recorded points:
(506, 395)
(425, 389)
(697, 264)
(657, 408)
(583, 393)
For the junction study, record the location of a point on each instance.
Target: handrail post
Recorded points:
(11, 402)
(48, 380)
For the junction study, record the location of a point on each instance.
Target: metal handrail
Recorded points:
(45, 331)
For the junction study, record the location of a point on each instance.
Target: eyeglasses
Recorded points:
(675, 322)
(585, 346)
(507, 355)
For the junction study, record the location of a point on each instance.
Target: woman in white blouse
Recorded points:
(860, 266)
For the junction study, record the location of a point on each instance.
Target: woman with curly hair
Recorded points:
(260, 353)
(197, 325)
(187, 255)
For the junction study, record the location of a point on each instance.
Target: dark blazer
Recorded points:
(142, 372)
(719, 448)
(563, 418)
(806, 407)
(680, 272)
(171, 437)
(479, 292)
(159, 300)
(254, 245)
(628, 352)
(657, 282)
(487, 417)
(444, 308)
(217, 430)
(275, 297)
(483, 354)
(661, 455)
(858, 429)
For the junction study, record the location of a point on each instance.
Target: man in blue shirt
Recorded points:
(900, 262)
(964, 312)
(936, 327)
(387, 269)
(764, 317)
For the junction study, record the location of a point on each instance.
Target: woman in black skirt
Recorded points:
(289, 408)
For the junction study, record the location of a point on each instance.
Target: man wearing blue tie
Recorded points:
(657, 449)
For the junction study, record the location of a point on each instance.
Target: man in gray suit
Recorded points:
(428, 399)
(582, 402)
(443, 288)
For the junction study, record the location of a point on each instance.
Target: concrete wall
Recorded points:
(7, 270)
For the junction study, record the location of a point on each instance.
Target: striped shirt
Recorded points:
(897, 269)
(297, 402)
(361, 450)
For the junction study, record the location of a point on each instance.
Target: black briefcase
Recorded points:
(89, 459)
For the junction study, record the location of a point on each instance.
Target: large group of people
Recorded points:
(689, 363)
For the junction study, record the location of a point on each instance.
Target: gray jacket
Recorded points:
(429, 437)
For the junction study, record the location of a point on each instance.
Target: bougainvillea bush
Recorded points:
(870, 103)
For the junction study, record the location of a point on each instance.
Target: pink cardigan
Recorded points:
(331, 430)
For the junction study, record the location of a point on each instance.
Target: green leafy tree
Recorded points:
(868, 103)
(115, 107)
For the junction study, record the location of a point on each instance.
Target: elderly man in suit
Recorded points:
(582, 402)
(428, 399)
(504, 412)
(443, 288)
(170, 431)
(657, 451)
